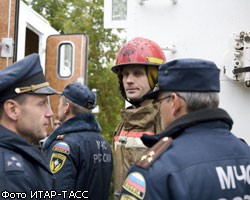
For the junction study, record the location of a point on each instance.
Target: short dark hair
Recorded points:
(19, 99)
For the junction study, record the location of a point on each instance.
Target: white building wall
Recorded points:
(198, 29)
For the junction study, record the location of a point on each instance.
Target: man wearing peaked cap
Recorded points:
(24, 118)
(196, 152)
(81, 95)
(78, 155)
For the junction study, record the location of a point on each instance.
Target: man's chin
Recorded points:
(133, 98)
(43, 136)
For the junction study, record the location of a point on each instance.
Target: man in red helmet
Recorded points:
(136, 66)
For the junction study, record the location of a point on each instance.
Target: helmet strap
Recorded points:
(136, 103)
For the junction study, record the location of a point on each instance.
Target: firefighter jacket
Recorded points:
(80, 158)
(23, 173)
(196, 157)
(128, 146)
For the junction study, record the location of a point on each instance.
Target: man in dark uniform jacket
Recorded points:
(79, 156)
(24, 118)
(196, 156)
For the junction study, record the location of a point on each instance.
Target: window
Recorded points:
(65, 60)
(31, 42)
(115, 13)
(119, 10)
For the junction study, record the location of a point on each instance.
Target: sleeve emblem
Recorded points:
(61, 147)
(57, 161)
(135, 184)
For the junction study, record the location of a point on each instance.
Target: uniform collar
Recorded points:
(79, 123)
(188, 120)
(139, 118)
(16, 143)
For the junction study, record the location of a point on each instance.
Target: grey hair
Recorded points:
(75, 108)
(199, 100)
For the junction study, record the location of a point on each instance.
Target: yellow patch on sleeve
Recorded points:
(57, 161)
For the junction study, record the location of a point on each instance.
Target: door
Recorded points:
(66, 62)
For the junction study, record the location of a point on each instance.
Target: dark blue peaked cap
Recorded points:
(24, 76)
(80, 95)
(187, 75)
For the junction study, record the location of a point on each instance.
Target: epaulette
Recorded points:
(153, 153)
(13, 162)
(60, 137)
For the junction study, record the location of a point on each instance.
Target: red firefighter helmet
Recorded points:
(139, 51)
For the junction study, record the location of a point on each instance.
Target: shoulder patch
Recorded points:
(61, 147)
(153, 153)
(135, 184)
(57, 161)
(13, 162)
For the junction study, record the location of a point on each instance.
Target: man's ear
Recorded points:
(11, 109)
(66, 108)
(177, 104)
